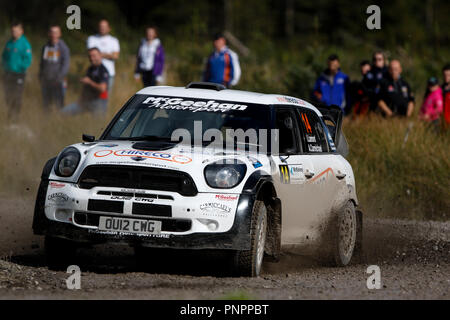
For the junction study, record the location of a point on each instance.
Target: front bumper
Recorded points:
(57, 215)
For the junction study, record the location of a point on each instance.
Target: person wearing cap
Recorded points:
(395, 97)
(223, 64)
(432, 106)
(446, 94)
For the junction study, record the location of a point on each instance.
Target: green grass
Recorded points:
(397, 178)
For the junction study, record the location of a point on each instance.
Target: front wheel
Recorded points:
(249, 262)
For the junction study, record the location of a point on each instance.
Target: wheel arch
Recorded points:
(263, 188)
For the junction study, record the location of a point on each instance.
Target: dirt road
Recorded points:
(414, 258)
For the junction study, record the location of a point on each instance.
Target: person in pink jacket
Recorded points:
(432, 106)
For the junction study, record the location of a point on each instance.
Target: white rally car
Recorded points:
(162, 176)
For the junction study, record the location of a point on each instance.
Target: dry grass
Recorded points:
(410, 180)
(394, 178)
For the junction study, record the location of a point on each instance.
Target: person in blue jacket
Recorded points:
(222, 66)
(332, 86)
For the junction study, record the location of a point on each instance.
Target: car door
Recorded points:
(328, 184)
(292, 169)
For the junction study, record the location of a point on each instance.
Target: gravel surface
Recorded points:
(414, 258)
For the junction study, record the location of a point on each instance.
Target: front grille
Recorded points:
(105, 206)
(137, 178)
(168, 224)
(148, 209)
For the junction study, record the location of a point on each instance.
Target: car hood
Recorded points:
(177, 157)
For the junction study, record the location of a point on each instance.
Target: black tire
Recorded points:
(345, 235)
(248, 263)
(39, 219)
(60, 253)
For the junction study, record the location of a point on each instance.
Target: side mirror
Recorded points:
(88, 138)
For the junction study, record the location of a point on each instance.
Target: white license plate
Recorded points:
(129, 225)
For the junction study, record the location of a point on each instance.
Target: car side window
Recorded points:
(288, 131)
(314, 134)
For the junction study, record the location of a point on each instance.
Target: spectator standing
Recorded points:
(109, 48)
(432, 106)
(446, 94)
(332, 86)
(395, 95)
(372, 79)
(16, 58)
(150, 59)
(53, 68)
(94, 95)
(223, 64)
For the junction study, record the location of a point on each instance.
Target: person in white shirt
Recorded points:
(109, 48)
(150, 59)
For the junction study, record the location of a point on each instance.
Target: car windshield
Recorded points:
(156, 118)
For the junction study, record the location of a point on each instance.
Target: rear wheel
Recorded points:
(59, 253)
(249, 262)
(345, 235)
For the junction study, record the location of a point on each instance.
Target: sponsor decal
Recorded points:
(291, 100)
(314, 148)
(340, 81)
(255, 162)
(191, 105)
(226, 197)
(284, 174)
(144, 200)
(177, 158)
(117, 233)
(57, 185)
(58, 197)
(215, 207)
(295, 171)
(121, 198)
(311, 139)
(322, 177)
(391, 88)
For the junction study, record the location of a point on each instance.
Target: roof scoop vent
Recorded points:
(206, 85)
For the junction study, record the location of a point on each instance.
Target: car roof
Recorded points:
(228, 95)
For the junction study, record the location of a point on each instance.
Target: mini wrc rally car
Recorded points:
(204, 167)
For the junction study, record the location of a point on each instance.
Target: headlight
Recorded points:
(67, 162)
(225, 174)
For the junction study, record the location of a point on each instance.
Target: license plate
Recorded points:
(129, 225)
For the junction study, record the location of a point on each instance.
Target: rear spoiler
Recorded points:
(333, 115)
